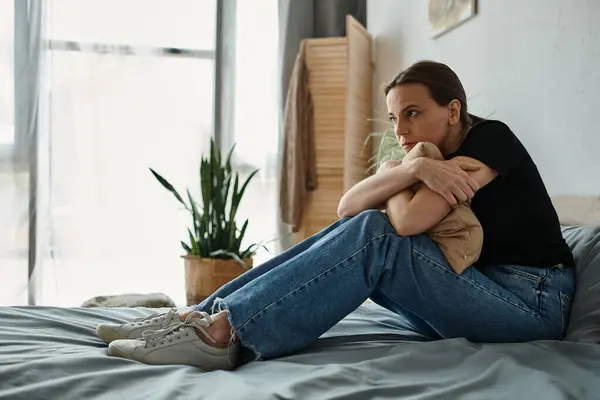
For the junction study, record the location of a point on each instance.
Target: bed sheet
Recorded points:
(53, 353)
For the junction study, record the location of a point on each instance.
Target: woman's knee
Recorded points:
(373, 219)
(371, 214)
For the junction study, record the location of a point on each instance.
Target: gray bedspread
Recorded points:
(53, 353)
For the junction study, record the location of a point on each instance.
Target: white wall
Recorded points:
(534, 64)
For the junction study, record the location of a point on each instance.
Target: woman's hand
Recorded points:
(448, 178)
(388, 165)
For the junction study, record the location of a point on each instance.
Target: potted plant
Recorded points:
(214, 255)
(387, 149)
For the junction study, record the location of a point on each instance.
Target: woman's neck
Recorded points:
(454, 140)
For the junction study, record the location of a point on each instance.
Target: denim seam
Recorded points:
(543, 295)
(433, 262)
(543, 304)
(531, 277)
(262, 311)
(563, 303)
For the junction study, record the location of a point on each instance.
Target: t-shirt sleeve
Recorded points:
(495, 145)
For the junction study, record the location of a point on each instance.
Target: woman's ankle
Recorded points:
(220, 329)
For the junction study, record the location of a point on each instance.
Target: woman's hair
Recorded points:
(443, 84)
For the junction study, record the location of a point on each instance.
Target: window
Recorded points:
(121, 100)
(115, 102)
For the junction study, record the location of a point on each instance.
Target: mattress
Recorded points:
(53, 353)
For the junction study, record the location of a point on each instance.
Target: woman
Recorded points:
(519, 289)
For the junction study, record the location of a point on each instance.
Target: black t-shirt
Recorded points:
(520, 224)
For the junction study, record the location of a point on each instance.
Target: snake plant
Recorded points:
(387, 149)
(214, 232)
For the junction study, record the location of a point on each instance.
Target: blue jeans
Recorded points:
(286, 303)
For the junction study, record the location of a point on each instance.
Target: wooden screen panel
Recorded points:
(340, 81)
(327, 64)
(358, 103)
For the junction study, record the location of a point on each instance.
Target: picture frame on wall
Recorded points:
(445, 15)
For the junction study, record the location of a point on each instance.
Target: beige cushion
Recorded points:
(459, 235)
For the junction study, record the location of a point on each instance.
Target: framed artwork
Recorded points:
(445, 15)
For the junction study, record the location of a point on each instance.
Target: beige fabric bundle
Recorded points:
(459, 235)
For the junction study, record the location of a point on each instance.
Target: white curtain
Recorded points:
(256, 113)
(14, 177)
(127, 86)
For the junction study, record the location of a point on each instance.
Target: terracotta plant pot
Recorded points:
(203, 276)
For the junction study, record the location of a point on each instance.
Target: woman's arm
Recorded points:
(477, 170)
(416, 209)
(375, 190)
(414, 213)
(448, 178)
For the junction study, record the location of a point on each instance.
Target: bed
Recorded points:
(53, 353)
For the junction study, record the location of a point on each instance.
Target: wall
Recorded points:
(534, 64)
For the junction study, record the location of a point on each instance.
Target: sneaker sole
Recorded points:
(223, 365)
(114, 351)
(107, 334)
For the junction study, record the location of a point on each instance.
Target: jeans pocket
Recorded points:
(565, 312)
(520, 283)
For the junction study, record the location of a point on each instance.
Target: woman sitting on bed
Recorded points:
(518, 290)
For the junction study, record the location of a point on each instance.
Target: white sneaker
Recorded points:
(134, 329)
(178, 344)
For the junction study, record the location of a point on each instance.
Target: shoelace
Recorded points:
(176, 330)
(168, 316)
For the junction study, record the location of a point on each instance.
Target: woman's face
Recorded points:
(418, 118)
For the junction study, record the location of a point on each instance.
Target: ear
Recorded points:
(454, 112)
